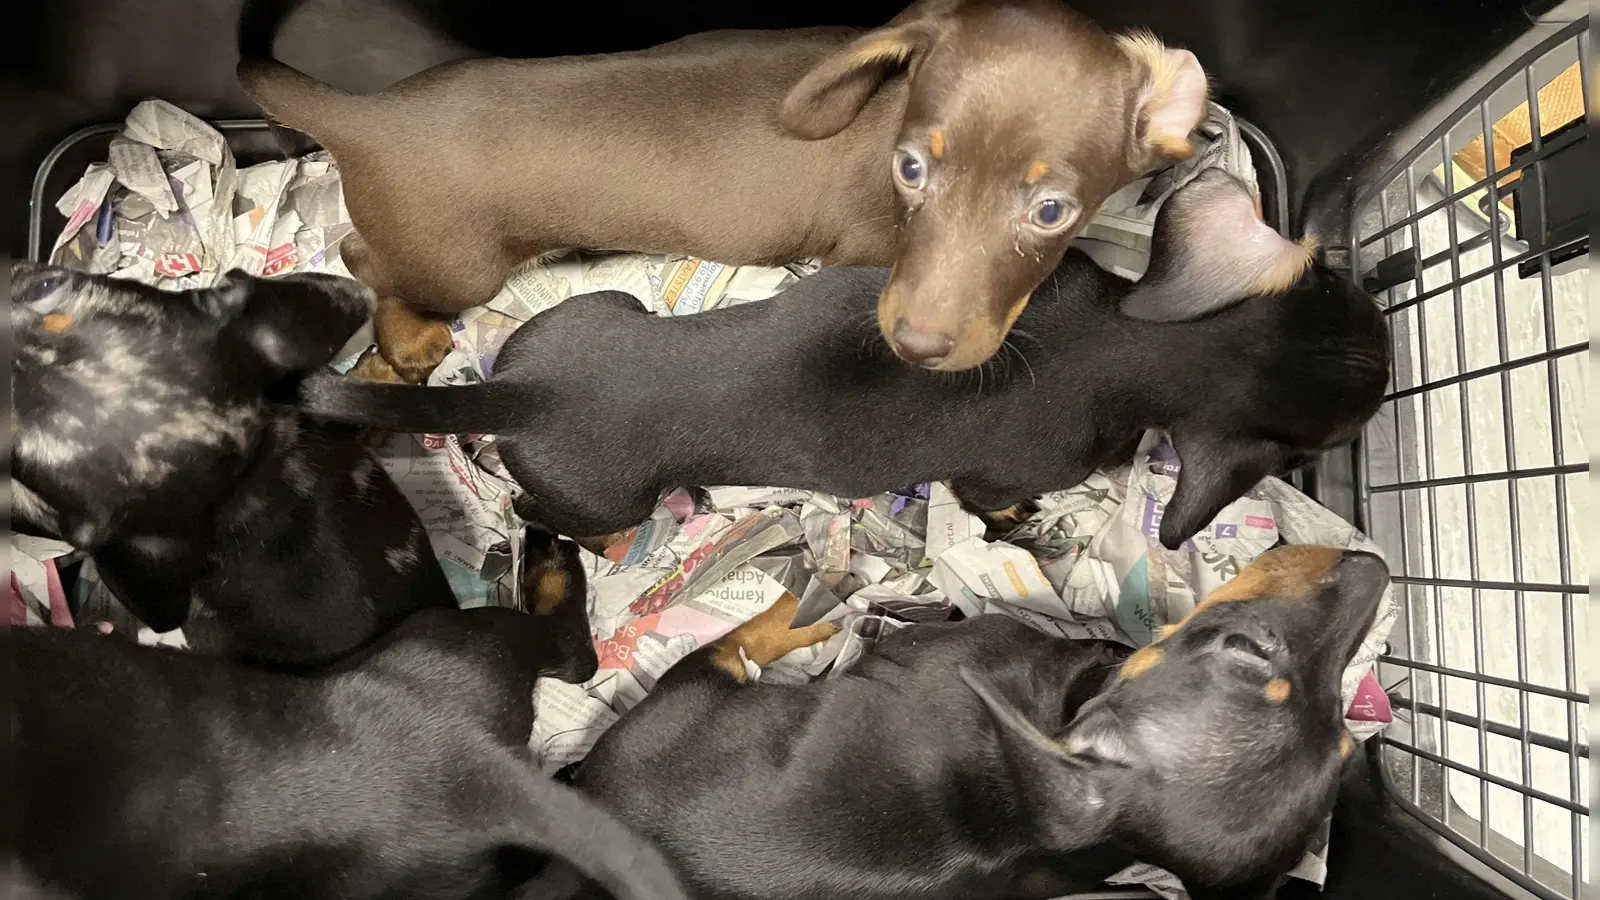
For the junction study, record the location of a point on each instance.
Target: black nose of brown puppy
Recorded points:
(921, 347)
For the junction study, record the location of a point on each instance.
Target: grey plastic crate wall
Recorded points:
(1469, 477)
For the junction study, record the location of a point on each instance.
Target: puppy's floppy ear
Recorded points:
(1214, 472)
(1061, 776)
(1172, 101)
(830, 96)
(1209, 250)
(297, 322)
(228, 295)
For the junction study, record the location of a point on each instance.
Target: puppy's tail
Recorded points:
(408, 408)
(564, 823)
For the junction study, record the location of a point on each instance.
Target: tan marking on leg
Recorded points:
(767, 638)
(1013, 515)
(56, 323)
(1038, 170)
(1165, 632)
(1144, 660)
(1277, 690)
(412, 341)
(1347, 745)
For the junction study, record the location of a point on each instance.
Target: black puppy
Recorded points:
(600, 406)
(151, 773)
(985, 759)
(146, 434)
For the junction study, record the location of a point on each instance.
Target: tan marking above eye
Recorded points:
(57, 322)
(1038, 170)
(550, 591)
(1277, 690)
(936, 144)
(1141, 662)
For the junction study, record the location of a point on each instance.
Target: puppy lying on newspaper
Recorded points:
(146, 434)
(599, 405)
(154, 773)
(986, 759)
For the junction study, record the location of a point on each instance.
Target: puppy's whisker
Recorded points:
(1034, 382)
(1017, 332)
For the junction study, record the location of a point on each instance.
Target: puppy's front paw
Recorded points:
(413, 343)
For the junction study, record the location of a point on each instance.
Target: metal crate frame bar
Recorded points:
(1410, 585)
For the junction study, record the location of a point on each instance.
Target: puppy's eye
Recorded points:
(43, 294)
(908, 169)
(1051, 214)
(1238, 643)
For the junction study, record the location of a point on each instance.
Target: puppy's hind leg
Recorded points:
(766, 639)
(1001, 510)
(599, 545)
(411, 340)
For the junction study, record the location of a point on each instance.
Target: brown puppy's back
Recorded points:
(515, 158)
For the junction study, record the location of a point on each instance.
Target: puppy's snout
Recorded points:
(925, 348)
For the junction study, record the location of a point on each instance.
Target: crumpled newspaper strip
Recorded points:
(1086, 566)
(37, 597)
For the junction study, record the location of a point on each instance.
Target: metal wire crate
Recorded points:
(1469, 474)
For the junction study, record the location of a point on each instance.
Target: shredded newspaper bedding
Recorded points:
(171, 208)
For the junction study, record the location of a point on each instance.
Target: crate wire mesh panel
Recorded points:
(1469, 474)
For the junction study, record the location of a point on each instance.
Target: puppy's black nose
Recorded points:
(921, 347)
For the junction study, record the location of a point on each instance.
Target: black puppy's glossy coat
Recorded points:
(147, 773)
(984, 759)
(599, 405)
(148, 435)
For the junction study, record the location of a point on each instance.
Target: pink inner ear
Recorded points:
(1219, 251)
(1179, 102)
(1250, 245)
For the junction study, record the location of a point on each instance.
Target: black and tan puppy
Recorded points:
(795, 391)
(985, 759)
(403, 774)
(147, 434)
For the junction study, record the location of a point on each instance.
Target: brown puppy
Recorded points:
(1016, 120)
